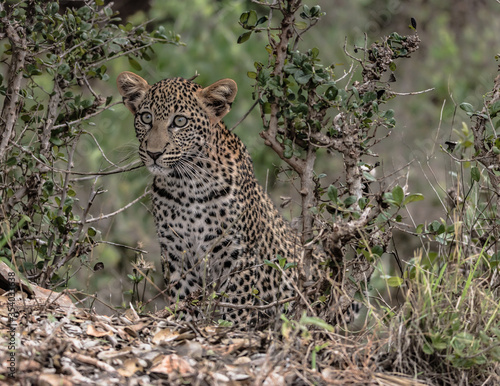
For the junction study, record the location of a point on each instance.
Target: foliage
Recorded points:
(306, 108)
(314, 114)
(53, 62)
(449, 324)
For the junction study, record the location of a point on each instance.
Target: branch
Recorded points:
(269, 135)
(12, 101)
(486, 156)
(106, 216)
(390, 93)
(52, 113)
(119, 169)
(97, 112)
(244, 116)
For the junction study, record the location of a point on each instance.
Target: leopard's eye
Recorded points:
(180, 121)
(146, 118)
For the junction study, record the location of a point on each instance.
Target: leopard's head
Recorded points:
(174, 118)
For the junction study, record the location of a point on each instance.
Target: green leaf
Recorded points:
(467, 107)
(56, 141)
(333, 193)
(63, 69)
(369, 96)
(252, 74)
(53, 8)
(398, 195)
(349, 201)
(369, 177)
(315, 321)
(438, 343)
(28, 266)
(244, 17)
(377, 250)
(11, 161)
(437, 227)
(303, 79)
(263, 19)
(271, 264)
(289, 265)
(331, 93)
(475, 174)
(121, 41)
(428, 349)
(134, 63)
(252, 18)
(388, 114)
(244, 37)
(413, 198)
(494, 108)
(394, 281)
(301, 25)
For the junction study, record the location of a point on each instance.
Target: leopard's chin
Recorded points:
(158, 170)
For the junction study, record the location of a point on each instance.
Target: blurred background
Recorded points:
(460, 39)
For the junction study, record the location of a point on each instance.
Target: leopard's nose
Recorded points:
(154, 155)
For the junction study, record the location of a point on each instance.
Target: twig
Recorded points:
(123, 246)
(102, 151)
(97, 112)
(106, 216)
(76, 236)
(244, 116)
(257, 307)
(52, 112)
(90, 361)
(410, 93)
(128, 168)
(138, 164)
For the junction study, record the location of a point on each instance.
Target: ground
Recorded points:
(59, 344)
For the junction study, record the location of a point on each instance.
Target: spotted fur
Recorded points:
(215, 223)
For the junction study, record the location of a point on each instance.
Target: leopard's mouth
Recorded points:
(159, 165)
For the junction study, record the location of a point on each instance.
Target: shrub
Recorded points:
(55, 64)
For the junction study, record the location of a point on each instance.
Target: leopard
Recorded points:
(219, 231)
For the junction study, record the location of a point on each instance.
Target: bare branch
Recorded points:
(410, 93)
(244, 116)
(109, 215)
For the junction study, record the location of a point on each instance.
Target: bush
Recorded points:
(55, 62)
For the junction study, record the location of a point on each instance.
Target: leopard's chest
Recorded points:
(198, 225)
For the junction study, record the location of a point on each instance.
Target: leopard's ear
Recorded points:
(218, 97)
(133, 89)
